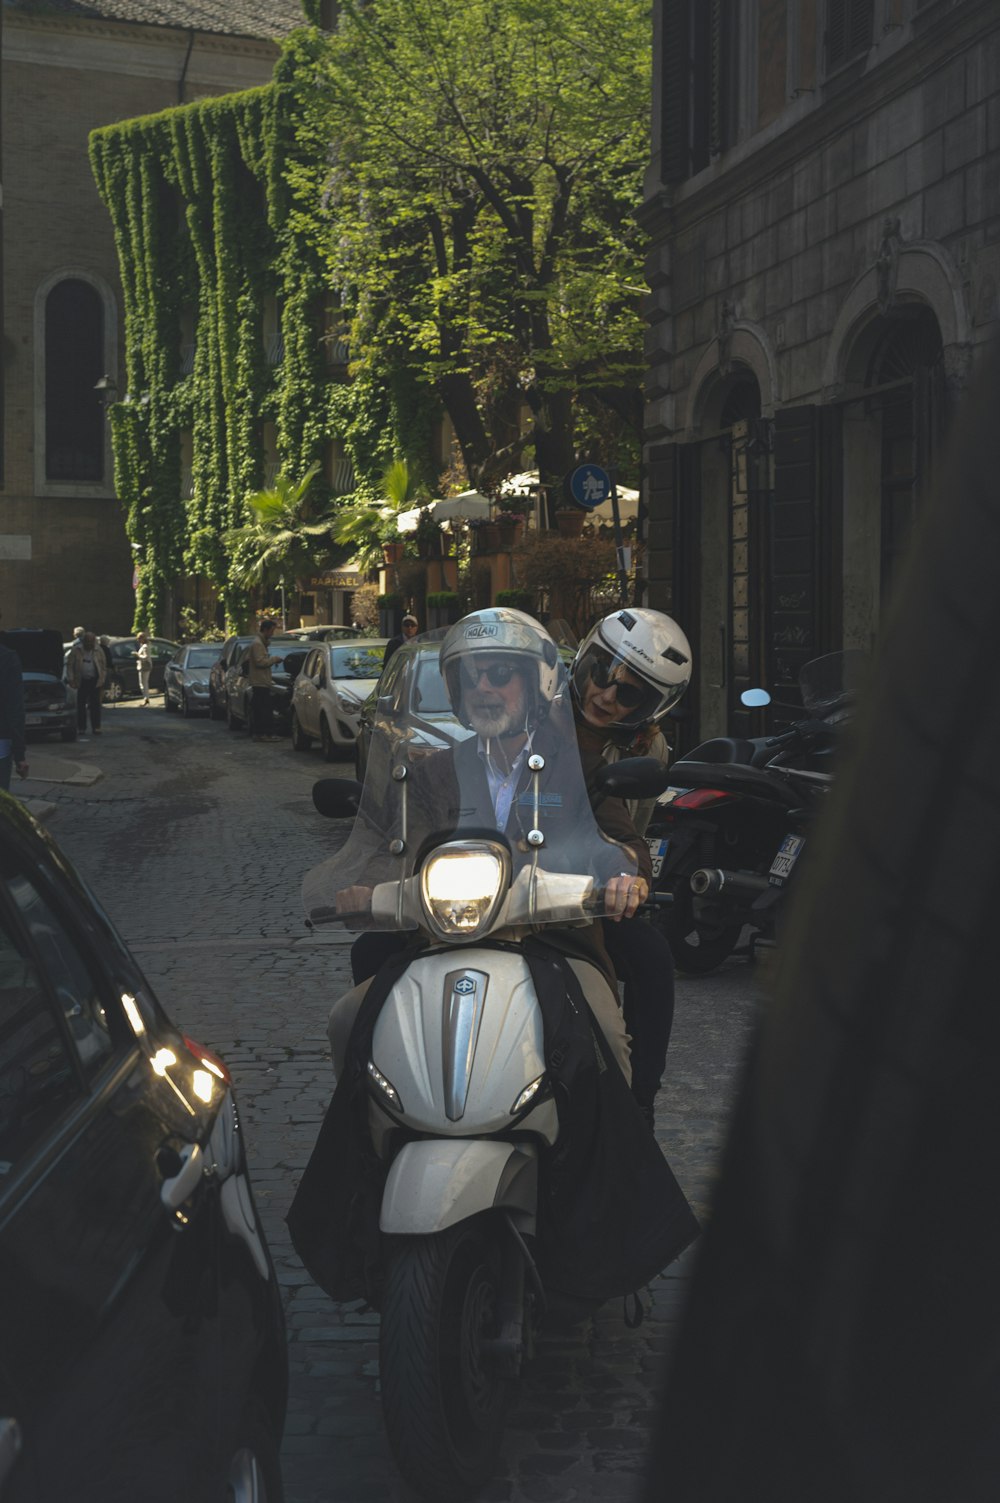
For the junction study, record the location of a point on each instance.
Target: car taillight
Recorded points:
(209, 1059)
(700, 798)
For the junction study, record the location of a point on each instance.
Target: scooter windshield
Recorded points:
(830, 685)
(500, 783)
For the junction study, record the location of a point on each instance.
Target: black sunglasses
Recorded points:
(629, 696)
(498, 674)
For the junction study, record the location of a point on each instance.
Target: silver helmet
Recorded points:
(644, 654)
(507, 633)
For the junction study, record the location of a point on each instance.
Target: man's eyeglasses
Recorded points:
(497, 674)
(629, 696)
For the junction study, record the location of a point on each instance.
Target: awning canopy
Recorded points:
(628, 500)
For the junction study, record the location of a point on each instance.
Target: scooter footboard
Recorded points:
(435, 1183)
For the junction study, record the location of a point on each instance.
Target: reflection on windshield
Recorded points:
(356, 662)
(203, 657)
(527, 787)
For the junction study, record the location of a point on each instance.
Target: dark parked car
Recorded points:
(143, 1351)
(231, 649)
(410, 694)
(293, 654)
(123, 669)
(49, 703)
(185, 677)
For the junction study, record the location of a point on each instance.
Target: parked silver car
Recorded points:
(410, 708)
(185, 677)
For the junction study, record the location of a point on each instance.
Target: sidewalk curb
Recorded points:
(73, 774)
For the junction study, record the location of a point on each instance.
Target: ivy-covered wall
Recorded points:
(217, 208)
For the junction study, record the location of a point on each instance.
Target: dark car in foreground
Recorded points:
(410, 694)
(236, 688)
(143, 1351)
(49, 703)
(186, 677)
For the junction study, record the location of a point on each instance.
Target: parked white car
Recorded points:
(335, 680)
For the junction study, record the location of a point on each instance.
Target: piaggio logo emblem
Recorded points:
(465, 986)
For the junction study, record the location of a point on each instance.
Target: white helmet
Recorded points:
(508, 633)
(651, 646)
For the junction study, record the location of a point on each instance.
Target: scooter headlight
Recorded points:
(462, 885)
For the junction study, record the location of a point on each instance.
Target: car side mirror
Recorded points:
(385, 705)
(633, 777)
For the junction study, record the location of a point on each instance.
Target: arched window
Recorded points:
(74, 363)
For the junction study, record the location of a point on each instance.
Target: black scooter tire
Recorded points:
(443, 1402)
(696, 950)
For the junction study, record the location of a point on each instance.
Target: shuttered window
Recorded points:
(849, 30)
(697, 84)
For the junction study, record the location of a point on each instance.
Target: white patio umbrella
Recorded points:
(628, 499)
(465, 507)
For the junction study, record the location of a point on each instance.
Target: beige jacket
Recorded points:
(260, 664)
(74, 667)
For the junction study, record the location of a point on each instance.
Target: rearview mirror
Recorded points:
(633, 777)
(755, 699)
(336, 798)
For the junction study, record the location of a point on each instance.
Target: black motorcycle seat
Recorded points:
(723, 749)
(737, 778)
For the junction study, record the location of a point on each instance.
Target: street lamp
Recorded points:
(107, 390)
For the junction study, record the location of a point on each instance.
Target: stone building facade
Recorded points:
(823, 201)
(69, 67)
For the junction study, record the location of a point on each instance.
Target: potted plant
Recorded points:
(570, 520)
(511, 527)
(390, 611)
(444, 607)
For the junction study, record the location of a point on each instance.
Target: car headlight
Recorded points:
(462, 885)
(57, 706)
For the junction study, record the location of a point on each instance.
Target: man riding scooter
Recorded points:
(501, 671)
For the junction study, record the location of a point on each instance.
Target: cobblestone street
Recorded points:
(195, 841)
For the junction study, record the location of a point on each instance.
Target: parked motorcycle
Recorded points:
(482, 1162)
(728, 836)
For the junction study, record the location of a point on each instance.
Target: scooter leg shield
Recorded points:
(435, 1183)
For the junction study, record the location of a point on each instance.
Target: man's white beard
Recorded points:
(497, 720)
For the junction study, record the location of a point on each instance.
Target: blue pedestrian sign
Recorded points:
(590, 485)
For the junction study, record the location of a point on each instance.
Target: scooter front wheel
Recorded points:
(443, 1397)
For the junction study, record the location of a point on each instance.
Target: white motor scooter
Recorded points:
(460, 1111)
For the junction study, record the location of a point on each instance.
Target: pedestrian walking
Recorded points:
(259, 663)
(409, 628)
(144, 656)
(12, 748)
(86, 672)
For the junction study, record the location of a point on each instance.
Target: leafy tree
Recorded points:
(487, 171)
(284, 540)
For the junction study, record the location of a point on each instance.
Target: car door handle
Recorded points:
(10, 1447)
(180, 1185)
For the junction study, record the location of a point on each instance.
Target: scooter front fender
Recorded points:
(435, 1183)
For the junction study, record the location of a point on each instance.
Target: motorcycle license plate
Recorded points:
(657, 851)
(788, 853)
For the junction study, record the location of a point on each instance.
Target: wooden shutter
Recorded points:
(675, 80)
(791, 633)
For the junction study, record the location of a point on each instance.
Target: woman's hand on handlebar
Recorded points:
(622, 896)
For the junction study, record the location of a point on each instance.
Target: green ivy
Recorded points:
(217, 206)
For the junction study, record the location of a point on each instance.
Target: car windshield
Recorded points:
(560, 860)
(202, 657)
(356, 662)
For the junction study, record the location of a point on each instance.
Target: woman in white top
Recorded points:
(144, 655)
